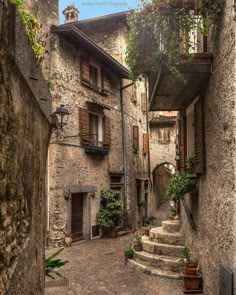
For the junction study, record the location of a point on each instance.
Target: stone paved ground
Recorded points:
(97, 268)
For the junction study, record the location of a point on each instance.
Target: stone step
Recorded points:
(122, 233)
(157, 234)
(153, 271)
(162, 248)
(168, 263)
(171, 226)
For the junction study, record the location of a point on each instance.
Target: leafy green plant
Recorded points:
(172, 212)
(180, 185)
(32, 27)
(161, 31)
(185, 257)
(51, 265)
(110, 209)
(189, 162)
(129, 251)
(143, 204)
(137, 239)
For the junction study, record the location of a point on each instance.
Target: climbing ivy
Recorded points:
(32, 27)
(160, 31)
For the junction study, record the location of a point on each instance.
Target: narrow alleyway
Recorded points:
(97, 268)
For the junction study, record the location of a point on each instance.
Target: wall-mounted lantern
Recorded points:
(60, 117)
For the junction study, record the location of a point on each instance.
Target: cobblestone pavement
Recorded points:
(97, 268)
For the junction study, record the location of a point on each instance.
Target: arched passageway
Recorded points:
(161, 178)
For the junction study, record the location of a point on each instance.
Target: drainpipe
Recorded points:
(148, 132)
(124, 146)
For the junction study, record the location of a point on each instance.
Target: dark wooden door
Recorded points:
(77, 216)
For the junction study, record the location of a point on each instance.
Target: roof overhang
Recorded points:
(170, 92)
(74, 35)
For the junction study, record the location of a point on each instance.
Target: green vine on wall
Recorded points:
(161, 31)
(32, 27)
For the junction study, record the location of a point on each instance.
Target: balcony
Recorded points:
(171, 92)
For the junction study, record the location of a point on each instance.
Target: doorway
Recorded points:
(77, 202)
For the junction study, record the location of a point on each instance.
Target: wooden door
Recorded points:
(77, 216)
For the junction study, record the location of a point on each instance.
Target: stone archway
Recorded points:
(161, 179)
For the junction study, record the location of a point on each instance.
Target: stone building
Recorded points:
(206, 131)
(104, 143)
(25, 105)
(162, 145)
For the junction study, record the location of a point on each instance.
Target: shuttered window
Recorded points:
(145, 143)
(199, 136)
(163, 135)
(143, 103)
(135, 138)
(95, 129)
(182, 143)
(93, 77)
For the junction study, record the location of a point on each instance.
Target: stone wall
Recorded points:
(214, 242)
(24, 137)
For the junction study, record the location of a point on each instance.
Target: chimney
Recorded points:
(71, 14)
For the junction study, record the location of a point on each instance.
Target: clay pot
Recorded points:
(111, 233)
(191, 283)
(191, 269)
(146, 232)
(138, 247)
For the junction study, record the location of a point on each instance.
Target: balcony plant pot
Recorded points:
(138, 247)
(191, 283)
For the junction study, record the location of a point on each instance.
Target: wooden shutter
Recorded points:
(182, 143)
(135, 138)
(143, 103)
(145, 143)
(105, 84)
(84, 126)
(199, 159)
(84, 69)
(107, 132)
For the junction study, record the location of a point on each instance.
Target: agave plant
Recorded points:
(51, 265)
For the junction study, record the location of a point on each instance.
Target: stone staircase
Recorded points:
(161, 251)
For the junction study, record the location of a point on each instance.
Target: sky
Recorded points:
(93, 8)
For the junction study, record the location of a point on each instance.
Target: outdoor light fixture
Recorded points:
(60, 117)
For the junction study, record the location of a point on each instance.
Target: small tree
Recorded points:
(110, 209)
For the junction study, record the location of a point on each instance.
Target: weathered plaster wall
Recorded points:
(24, 137)
(214, 209)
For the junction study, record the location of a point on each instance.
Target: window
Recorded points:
(143, 103)
(95, 129)
(191, 136)
(163, 135)
(93, 76)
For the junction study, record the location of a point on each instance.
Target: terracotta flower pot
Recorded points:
(138, 247)
(191, 269)
(191, 283)
(112, 234)
(146, 232)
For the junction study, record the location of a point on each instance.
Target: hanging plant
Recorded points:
(32, 27)
(165, 31)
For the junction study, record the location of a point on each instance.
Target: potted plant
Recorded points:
(129, 252)
(138, 245)
(147, 222)
(191, 277)
(109, 212)
(143, 204)
(147, 228)
(189, 165)
(180, 185)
